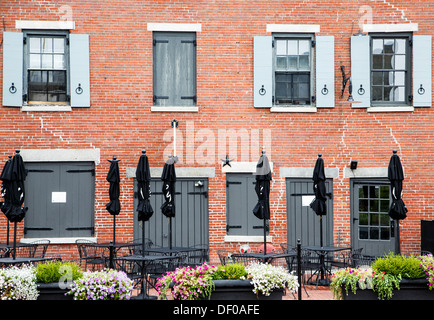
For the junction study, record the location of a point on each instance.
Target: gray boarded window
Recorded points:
(241, 198)
(174, 68)
(61, 199)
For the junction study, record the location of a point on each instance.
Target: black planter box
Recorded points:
(241, 290)
(52, 291)
(408, 290)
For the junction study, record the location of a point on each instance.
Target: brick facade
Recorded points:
(120, 121)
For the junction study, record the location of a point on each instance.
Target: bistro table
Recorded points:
(322, 269)
(268, 257)
(18, 261)
(114, 249)
(185, 252)
(6, 248)
(143, 262)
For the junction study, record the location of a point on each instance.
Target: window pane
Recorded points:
(377, 78)
(363, 205)
(400, 45)
(384, 219)
(399, 93)
(399, 62)
(303, 91)
(304, 63)
(47, 61)
(292, 63)
(303, 47)
(47, 45)
(377, 62)
(292, 47)
(377, 93)
(384, 205)
(389, 46)
(388, 94)
(384, 192)
(374, 233)
(34, 45)
(385, 234)
(35, 61)
(388, 78)
(280, 47)
(363, 219)
(375, 219)
(281, 63)
(377, 46)
(374, 205)
(58, 62)
(59, 45)
(388, 62)
(363, 233)
(399, 78)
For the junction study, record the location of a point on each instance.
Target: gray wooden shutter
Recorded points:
(325, 71)
(422, 71)
(12, 69)
(360, 71)
(79, 70)
(174, 69)
(263, 72)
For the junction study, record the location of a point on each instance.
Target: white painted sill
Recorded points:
(391, 109)
(293, 109)
(174, 109)
(59, 108)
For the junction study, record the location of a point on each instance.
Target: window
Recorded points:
(174, 69)
(390, 70)
(292, 76)
(46, 68)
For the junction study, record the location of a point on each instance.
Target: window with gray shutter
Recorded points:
(293, 70)
(12, 69)
(174, 68)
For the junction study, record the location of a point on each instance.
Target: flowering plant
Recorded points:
(427, 263)
(102, 285)
(188, 283)
(266, 277)
(18, 283)
(363, 278)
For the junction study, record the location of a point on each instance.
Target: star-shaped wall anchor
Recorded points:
(227, 161)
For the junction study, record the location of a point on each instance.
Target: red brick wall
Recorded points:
(120, 121)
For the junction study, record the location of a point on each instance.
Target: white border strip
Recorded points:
(59, 155)
(179, 27)
(294, 28)
(389, 27)
(45, 25)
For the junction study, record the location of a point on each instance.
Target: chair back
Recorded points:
(41, 247)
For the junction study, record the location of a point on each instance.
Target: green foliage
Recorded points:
(53, 271)
(230, 271)
(407, 267)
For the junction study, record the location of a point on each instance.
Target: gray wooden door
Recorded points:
(190, 224)
(302, 221)
(371, 227)
(241, 198)
(60, 198)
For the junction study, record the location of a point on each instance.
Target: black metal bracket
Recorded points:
(228, 227)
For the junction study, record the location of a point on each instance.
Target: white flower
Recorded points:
(18, 283)
(266, 277)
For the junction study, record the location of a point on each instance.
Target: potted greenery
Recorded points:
(232, 281)
(18, 283)
(390, 277)
(107, 284)
(54, 279)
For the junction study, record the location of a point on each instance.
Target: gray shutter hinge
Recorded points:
(25, 40)
(313, 98)
(25, 97)
(410, 42)
(67, 41)
(313, 43)
(272, 43)
(410, 98)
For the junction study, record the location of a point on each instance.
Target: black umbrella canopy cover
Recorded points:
(262, 188)
(169, 178)
(397, 210)
(143, 177)
(13, 176)
(114, 206)
(319, 203)
(5, 205)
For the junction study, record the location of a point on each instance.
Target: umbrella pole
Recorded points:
(320, 231)
(398, 242)
(265, 237)
(7, 235)
(14, 252)
(170, 233)
(143, 238)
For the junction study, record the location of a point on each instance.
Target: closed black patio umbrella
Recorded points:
(15, 175)
(397, 210)
(318, 205)
(169, 180)
(144, 208)
(114, 206)
(262, 188)
(5, 205)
